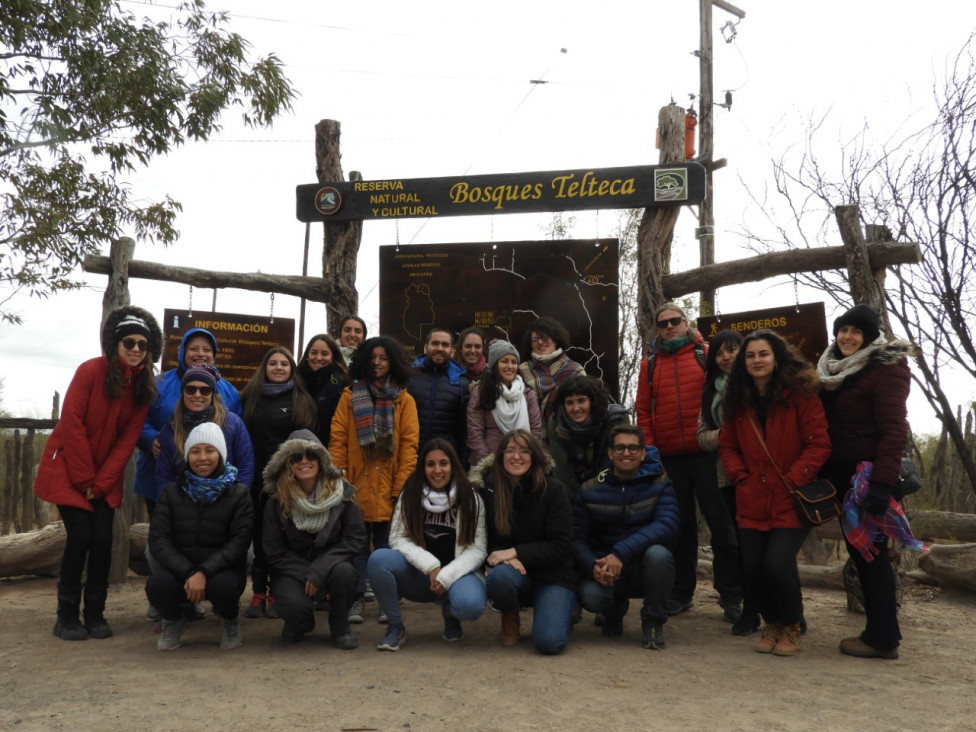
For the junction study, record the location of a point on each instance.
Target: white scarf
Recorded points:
(510, 411)
(548, 357)
(438, 501)
(835, 371)
(311, 513)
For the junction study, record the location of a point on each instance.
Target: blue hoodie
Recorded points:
(624, 516)
(168, 393)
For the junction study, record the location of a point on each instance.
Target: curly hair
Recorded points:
(791, 371)
(589, 387)
(546, 326)
(362, 368)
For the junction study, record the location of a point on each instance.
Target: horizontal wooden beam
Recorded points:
(764, 266)
(23, 423)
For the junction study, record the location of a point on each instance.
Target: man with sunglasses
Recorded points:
(624, 521)
(669, 392)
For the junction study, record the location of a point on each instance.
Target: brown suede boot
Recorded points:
(789, 641)
(511, 623)
(770, 636)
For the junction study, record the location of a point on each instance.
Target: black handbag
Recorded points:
(816, 503)
(908, 480)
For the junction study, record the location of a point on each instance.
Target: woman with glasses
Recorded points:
(530, 534)
(313, 531)
(375, 433)
(85, 457)
(275, 404)
(772, 413)
(500, 403)
(548, 365)
(201, 403)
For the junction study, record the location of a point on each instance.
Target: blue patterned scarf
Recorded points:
(207, 490)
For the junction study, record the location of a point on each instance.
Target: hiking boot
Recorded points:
(172, 632)
(511, 625)
(356, 611)
(652, 636)
(94, 614)
(452, 626)
(291, 633)
(270, 611)
(393, 638)
(676, 607)
(230, 634)
(789, 641)
(346, 641)
(770, 636)
(858, 648)
(747, 624)
(256, 608)
(68, 625)
(96, 625)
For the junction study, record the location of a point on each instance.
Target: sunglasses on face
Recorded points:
(190, 390)
(132, 344)
(297, 457)
(621, 449)
(662, 324)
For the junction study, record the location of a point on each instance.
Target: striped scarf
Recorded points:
(863, 530)
(372, 412)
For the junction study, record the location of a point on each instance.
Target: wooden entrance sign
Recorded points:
(802, 325)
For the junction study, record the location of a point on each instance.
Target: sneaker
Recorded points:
(452, 626)
(747, 624)
(652, 636)
(347, 641)
(858, 648)
(270, 611)
(153, 614)
(291, 633)
(612, 627)
(230, 636)
(676, 607)
(256, 608)
(393, 638)
(172, 632)
(368, 595)
(381, 616)
(356, 611)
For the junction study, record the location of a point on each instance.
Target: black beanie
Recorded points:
(862, 317)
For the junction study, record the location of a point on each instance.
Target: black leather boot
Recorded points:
(68, 627)
(95, 621)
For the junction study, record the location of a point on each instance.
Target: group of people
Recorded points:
(472, 478)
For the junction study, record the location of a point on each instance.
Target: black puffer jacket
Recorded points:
(186, 537)
(441, 394)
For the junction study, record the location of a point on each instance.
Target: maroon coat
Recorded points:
(796, 435)
(91, 443)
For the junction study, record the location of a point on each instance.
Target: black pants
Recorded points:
(89, 542)
(298, 609)
(770, 572)
(694, 478)
(165, 592)
(259, 568)
(880, 606)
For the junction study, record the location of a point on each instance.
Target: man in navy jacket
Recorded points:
(624, 522)
(440, 389)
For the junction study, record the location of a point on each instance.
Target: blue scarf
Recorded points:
(207, 490)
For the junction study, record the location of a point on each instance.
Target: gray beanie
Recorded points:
(498, 349)
(207, 433)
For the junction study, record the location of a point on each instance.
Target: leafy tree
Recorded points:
(88, 92)
(923, 189)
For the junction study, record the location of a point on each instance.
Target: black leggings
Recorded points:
(89, 542)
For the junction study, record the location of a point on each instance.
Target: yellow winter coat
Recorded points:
(378, 482)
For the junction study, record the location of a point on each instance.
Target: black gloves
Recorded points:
(877, 500)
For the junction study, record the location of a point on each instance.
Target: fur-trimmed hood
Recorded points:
(115, 317)
(482, 468)
(294, 443)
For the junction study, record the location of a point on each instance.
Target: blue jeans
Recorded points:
(390, 573)
(377, 537)
(552, 605)
(650, 578)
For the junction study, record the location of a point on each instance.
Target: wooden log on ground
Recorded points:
(827, 578)
(34, 552)
(952, 565)
(138, 538)
(926, 525)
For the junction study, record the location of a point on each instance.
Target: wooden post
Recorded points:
(27, 482)
(706, 215)
(7, 510)
(15, 492)
(340, 249)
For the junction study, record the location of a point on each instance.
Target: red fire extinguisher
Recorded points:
(691, 122)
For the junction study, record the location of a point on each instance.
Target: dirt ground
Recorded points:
(706, 679)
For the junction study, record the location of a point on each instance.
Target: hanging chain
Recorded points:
(272, 308)
(796, 292)
(597, 242)
(189, 309)
(397, 224)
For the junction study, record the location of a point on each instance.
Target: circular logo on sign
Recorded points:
(328, 200)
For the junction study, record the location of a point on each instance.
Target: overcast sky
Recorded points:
(443, 88)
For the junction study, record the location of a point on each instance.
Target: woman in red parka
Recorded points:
(85, 457)
(772, 389)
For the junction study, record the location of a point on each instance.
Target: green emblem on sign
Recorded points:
(670, 184)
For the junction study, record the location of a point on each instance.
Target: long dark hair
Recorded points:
(490, 387)
(715, 346)
(505, 484)
(791, 372)
(303, 411)
(361, 368)
(412, 510)
(143, 383)
(337, 360)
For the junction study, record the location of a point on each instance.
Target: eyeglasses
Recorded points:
(520, 451)
(190, 390)
(297, 457)
(621, 449)
(662, 324)
(132, 344)
(540, 339)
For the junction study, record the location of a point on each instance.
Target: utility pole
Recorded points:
(706, 216)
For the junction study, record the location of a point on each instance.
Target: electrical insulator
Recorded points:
(728, 100)
(691, 122)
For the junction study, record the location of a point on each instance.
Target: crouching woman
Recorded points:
(313, 530)
(199, 534)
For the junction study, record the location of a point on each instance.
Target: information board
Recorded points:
(804, 326)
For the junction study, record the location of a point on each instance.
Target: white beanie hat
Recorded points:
(207, 433)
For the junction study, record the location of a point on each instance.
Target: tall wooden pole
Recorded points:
(706, 216)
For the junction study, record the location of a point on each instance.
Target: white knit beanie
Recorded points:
(207, 433)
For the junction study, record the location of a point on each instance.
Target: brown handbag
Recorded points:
(816, 503)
